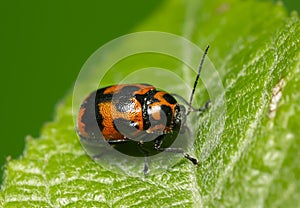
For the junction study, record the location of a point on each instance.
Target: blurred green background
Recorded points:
(43, 46)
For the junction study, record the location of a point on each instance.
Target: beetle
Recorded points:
(137, 119)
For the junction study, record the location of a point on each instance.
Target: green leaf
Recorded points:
(255, 47)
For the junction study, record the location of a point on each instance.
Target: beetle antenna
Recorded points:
(197, 78)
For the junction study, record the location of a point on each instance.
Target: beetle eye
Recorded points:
(180, 113)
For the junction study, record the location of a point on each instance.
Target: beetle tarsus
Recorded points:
(192, 159)
(180, 151)
(146, 166)
(205, 107)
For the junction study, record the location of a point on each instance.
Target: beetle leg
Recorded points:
(202, 109)
(143, 150)
(146, 165)
(157, 144)
(179, 151)
(205, 107)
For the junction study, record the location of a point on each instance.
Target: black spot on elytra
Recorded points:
(145, 100)
(91, 118)
(101, 98)
(169, 98)
(146, 84)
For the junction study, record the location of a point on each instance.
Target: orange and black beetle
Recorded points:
(136, 119)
